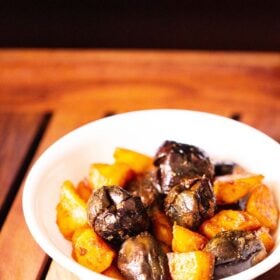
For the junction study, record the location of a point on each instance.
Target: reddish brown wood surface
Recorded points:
(17, 132)
(80, 86)
(222, 83)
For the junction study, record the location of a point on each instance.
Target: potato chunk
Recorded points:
(185, 240)
(267, 240)
(261, 204)
(229, 220)
(91, 251)
(84, 190)
(102, 174)
(137, 161)
(162, 228)
(197, 265)
(230, 188)
(71, 210)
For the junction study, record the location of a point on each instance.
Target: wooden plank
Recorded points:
(17, 134)
(21, 257)
(222, 83)
(272, 274)
(20, 134)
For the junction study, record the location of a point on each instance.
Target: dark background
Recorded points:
(202, 25)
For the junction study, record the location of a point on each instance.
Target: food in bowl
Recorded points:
(176, 216)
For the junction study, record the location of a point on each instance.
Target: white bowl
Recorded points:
(143, 131)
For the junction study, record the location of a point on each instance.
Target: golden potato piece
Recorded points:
(229, 220)
(185, 240)
(197, 265)
(71, 210)
(102, 174)
(267, 240)
(261, 204)
(91, 251)
(230, 188)
(137, 161)
(84, 190)
(113, 272)
(162, 228)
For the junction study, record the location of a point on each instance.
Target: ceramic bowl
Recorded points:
(70, 157)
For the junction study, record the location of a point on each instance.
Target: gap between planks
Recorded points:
(21, 135)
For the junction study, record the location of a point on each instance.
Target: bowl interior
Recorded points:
(143, 131)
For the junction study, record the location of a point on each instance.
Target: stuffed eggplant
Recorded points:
(144, 185)
(235, 251)
(141, 257)
(116, 215)
(191, 202)
(177, 161)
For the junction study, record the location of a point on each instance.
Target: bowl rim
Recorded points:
(29, 196)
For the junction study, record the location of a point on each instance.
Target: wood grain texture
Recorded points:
(81, 86)
(17, 132)
(19, 253)
(222, 83)
(21, 257)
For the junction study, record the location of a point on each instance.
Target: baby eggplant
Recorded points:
(116, 215)
(141, 257)
(191, 202)
(144, 186)
(224, 168)
(176, 161)
(235, 251)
